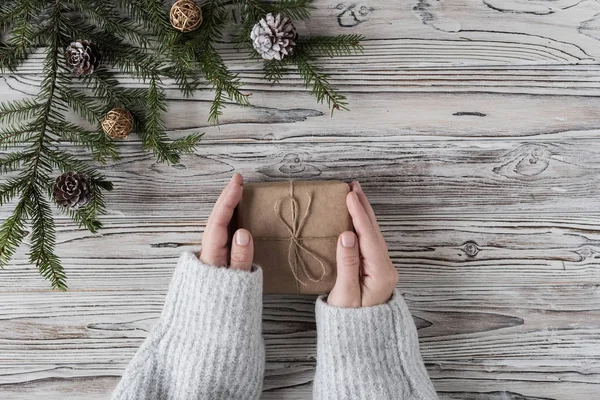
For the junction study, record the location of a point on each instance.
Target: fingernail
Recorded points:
(348, 239)
(358, 184)
(242, 237)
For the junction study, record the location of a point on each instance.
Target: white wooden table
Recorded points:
(475, 130)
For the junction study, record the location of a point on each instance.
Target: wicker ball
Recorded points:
(186, 15)
(117, 123)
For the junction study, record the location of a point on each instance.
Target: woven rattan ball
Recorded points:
(117, 123)
(186, 15)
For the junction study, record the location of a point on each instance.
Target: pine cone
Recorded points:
(274, 37)
(73, 190)
(82, 57)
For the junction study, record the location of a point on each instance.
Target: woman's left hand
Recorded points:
(215, 242)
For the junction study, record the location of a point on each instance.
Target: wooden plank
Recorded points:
(422, 178)
(564, 31)
(140, 254)
(502, 305)
(95, 334)
(400, 105)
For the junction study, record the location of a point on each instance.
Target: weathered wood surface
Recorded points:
(475, 130)
(414, 178)
(519, 298)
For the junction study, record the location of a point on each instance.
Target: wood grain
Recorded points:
(399, 104)
(474, 129)
(421, 178)
(519, 296)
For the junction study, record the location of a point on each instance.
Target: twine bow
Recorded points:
(296, 247)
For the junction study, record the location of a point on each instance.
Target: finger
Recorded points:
(242, 250)
(346, 292)
(362, 196)
(226, 203)
(215, 239)
(368, 237)
(356, 188)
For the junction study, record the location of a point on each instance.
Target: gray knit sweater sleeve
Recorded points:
(207, 343)
(369, 353)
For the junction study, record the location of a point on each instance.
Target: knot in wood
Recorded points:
(526, 162)
(471, 249)
(292, 164)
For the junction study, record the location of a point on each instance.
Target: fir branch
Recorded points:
(186, 145)
(43, 239)
(34, 182)
(67, 162)
(152, 16)
(12, 232)
(104, 85)
(12, 188)
(23, 34)
(9, 11)
(318, 81)
(332, 46)
(251, 12)
(18, 110)
(106, 17)
(46, 93)
(11, 162)
(293, 9)
(97, 142)
(16, 133)
(225, 84)
(214, 22)
(83, 105)
(273, 69)
(158, 19)
(152, 131)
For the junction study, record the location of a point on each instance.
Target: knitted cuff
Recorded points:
(200, 293)
(364, 329)
(207, 343)
(369, 353)
(211, 332)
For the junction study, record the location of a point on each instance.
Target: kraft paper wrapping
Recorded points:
(295, 226)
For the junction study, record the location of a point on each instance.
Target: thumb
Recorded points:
(346, 292)
(242, 250)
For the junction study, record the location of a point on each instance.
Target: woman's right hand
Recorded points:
(365, 274)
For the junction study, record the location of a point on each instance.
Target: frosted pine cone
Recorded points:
(73, 190)
(273, 37)
(82, 57)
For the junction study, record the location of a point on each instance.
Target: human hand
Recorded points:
(215, 241)
(365, 274)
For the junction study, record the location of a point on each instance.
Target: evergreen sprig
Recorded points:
(135, 38)
(225, 84)
(305, 59)
(34, 130)
(307, 52)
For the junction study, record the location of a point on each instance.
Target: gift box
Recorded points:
(295, 226)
